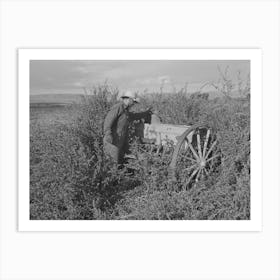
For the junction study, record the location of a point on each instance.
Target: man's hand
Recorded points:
(152, 111)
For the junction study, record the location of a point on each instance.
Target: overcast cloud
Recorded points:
(61, 76)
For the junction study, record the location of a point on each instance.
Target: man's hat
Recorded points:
(132, 95)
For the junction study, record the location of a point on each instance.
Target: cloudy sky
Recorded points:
(70, 76)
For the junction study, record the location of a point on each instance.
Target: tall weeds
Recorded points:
(70, 177)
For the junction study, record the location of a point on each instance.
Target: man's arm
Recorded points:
(146, 115)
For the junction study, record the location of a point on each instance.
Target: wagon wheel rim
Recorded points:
(200, 157)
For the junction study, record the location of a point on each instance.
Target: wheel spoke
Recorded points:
(191, 159)
(206, 172)
(190, 167)
(206, 142)
(211, 148)
(198, 145)
(212, 158)
(192, 149)
(197, 176)
(192, 175)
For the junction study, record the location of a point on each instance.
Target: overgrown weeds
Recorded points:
(71, 178)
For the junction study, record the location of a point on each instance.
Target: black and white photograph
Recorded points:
(140, 139)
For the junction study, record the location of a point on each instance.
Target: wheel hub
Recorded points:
(202, 163)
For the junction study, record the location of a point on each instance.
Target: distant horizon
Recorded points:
(67, 98)
(82, 93)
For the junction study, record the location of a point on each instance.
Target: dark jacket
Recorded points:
(116, 126)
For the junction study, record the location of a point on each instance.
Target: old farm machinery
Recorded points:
(192, 148)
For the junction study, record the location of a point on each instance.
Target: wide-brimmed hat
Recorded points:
(130, 94)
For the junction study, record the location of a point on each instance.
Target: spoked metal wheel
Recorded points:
(195, 155)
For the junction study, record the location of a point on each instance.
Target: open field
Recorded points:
(70, 178)
(51, 108)
(40, 99)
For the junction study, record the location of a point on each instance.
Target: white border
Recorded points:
(254, 55)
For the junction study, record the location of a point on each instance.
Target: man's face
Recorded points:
(129, 102)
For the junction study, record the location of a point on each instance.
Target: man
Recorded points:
(116, 142)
